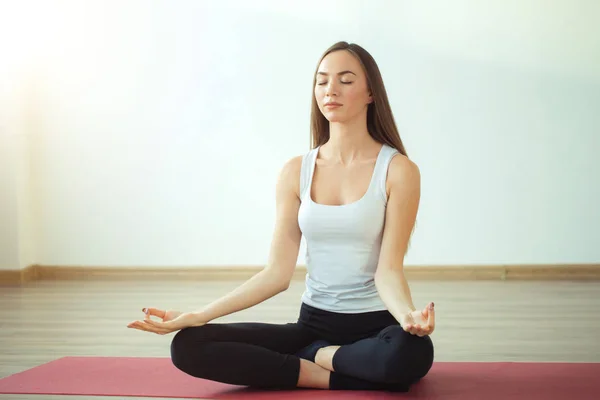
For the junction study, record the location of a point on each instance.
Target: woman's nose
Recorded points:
(331, 90)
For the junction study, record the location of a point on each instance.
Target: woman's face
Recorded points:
(341, 80)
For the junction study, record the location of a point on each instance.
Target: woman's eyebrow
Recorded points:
(339, 73)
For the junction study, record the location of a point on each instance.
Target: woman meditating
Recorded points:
(354, 196)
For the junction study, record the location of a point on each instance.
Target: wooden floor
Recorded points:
(476, 320)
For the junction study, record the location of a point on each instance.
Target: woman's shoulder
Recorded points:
(294, 164)
(403, 170)
(290, 174)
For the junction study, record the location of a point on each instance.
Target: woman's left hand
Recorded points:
(420, 323)
(185, 320)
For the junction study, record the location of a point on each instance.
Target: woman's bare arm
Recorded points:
(283, 255)
(401, 213)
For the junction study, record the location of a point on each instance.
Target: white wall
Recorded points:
(146, 133)
(18, 122)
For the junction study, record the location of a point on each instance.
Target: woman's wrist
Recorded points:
(406, 309)
(201, 317)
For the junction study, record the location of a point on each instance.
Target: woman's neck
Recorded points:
(349, 143)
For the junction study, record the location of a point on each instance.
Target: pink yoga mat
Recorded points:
(157, 377)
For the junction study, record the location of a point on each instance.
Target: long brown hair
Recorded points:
(380, 119)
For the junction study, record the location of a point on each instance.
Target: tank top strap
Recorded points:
(381, 169)
(306, 171)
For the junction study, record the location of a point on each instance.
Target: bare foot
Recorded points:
(313, 376)
(324, 357)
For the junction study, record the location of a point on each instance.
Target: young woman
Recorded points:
(354, 196)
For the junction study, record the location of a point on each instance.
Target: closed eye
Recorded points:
(344, 83)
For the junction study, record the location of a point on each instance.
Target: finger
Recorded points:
(140, 326)
(152, 329)
(159, 324)
(144, 326)
(419, 330)
(431, 318)
(423, 331)
(154, 311)
(408, 322)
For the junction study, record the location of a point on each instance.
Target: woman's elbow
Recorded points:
(280, 282)
(284, 285)
(384, 272)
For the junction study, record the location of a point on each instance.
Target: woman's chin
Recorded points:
(332, 117)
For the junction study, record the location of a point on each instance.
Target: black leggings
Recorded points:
(375, 353)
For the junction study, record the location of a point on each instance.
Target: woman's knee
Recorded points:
(408, 357)
(182, 343)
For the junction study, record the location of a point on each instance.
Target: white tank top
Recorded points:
(343, 242)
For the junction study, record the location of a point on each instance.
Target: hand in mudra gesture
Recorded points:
(420, 322)
(171, 321)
